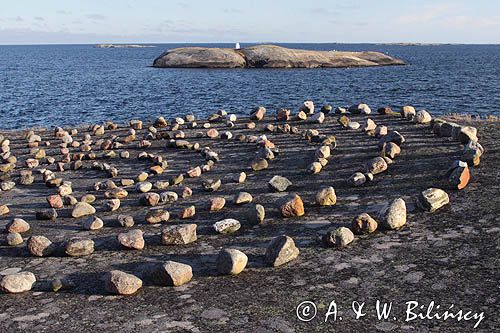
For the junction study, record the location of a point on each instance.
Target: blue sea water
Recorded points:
(47, 85)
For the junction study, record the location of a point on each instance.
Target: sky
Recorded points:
(197, 21)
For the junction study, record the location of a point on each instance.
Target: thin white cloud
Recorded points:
(96, 17)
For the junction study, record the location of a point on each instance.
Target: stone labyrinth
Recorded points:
(113, 209)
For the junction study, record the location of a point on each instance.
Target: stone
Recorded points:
(447, 129)
(369, 125)
(326, 109)
(175, 274)
(216, 204)
(259, 164)
(157, 216)
(88, 198)
(17, 282)
(255, 214)
(301, 115)
(212, 133)
(243, 198)
(92, 223)
(380, 131)
(227, 226)
(459, 175)
(393, 215)
(467, 133)
(471, 154)
(384, 110)
(393, 136)
(186, 192)
(432, 199)
(142, 177)
(339, 237)
(359, 109)
(408, 112)
(126, 182)
(82, 209)
(40, 246)
(17, 225)
(77, 247)
(194, 172)
(168, 197)
(291, 206)
(179, 234)
(114, 193)
(7, 185)
(283, 115)
(156, 170)
(323, 152)
(121, 283)
(279, 183)
(315, 167)
(150, 199)
(4, 210)
(126, 221)
(187, 212)
(422, 117)
(258, 113)
(161, 184)
(143, 187)
(112, 205)
(211, 185)
(391, 150)
(231, 261)
(46, 215)
(340, 110)
(317, 118)
(354, 125)
(376, 165)
(14, 239)
(55, 201)
(26, 179)
(344, 121)
(239, 177)
(364, 224)
(308, 107)
(280, 251)
(132, 239)
(326, 197)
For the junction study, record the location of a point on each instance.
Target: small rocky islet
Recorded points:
(184, 197)
(269, 56)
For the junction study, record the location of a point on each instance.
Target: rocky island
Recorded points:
(269, 56)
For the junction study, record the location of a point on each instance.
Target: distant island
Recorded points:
(122, 46)
(269, 56)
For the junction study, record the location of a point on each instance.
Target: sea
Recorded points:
(68, 85)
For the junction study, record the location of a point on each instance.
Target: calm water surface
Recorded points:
(74, 84)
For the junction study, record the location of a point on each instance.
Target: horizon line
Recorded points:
(267, 42)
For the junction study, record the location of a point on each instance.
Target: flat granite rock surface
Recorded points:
(449, 257)
(269, 56)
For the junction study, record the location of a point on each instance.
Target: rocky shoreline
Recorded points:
(269, 56)
(265, 201)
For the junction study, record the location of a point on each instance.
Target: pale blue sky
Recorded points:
(164, 21)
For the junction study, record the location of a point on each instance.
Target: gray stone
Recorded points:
(179, 234)
(231, 261)
(227, 226)
(339, 237)
(17, 282)
(393, 215)
(279, 183)
(432, 199)
(281, 250)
